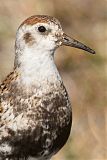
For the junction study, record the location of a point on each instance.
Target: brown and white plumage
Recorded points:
(35, 112)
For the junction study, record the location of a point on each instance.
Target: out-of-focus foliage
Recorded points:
(85, 75)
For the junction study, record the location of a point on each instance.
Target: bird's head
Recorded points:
(45, 33)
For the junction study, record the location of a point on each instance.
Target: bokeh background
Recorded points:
(84, 75)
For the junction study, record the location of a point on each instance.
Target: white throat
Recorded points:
(37, 67)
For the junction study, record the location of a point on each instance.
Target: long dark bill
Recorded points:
(68, 41)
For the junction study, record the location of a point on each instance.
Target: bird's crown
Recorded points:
(40, 19)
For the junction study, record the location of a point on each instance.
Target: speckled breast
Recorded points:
(48, 125)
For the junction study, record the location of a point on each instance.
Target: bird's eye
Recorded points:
(41, 29)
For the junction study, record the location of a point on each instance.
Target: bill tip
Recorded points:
(93, 52)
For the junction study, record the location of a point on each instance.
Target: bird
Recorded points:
(35, 110)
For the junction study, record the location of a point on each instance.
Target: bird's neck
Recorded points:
(37, 67)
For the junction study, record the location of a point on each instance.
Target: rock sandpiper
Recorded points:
(35, 111)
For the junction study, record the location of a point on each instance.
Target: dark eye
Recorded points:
(41, 29)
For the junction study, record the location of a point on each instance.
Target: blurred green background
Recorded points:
(84, 75)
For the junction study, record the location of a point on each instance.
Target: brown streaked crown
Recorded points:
(40, 19)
